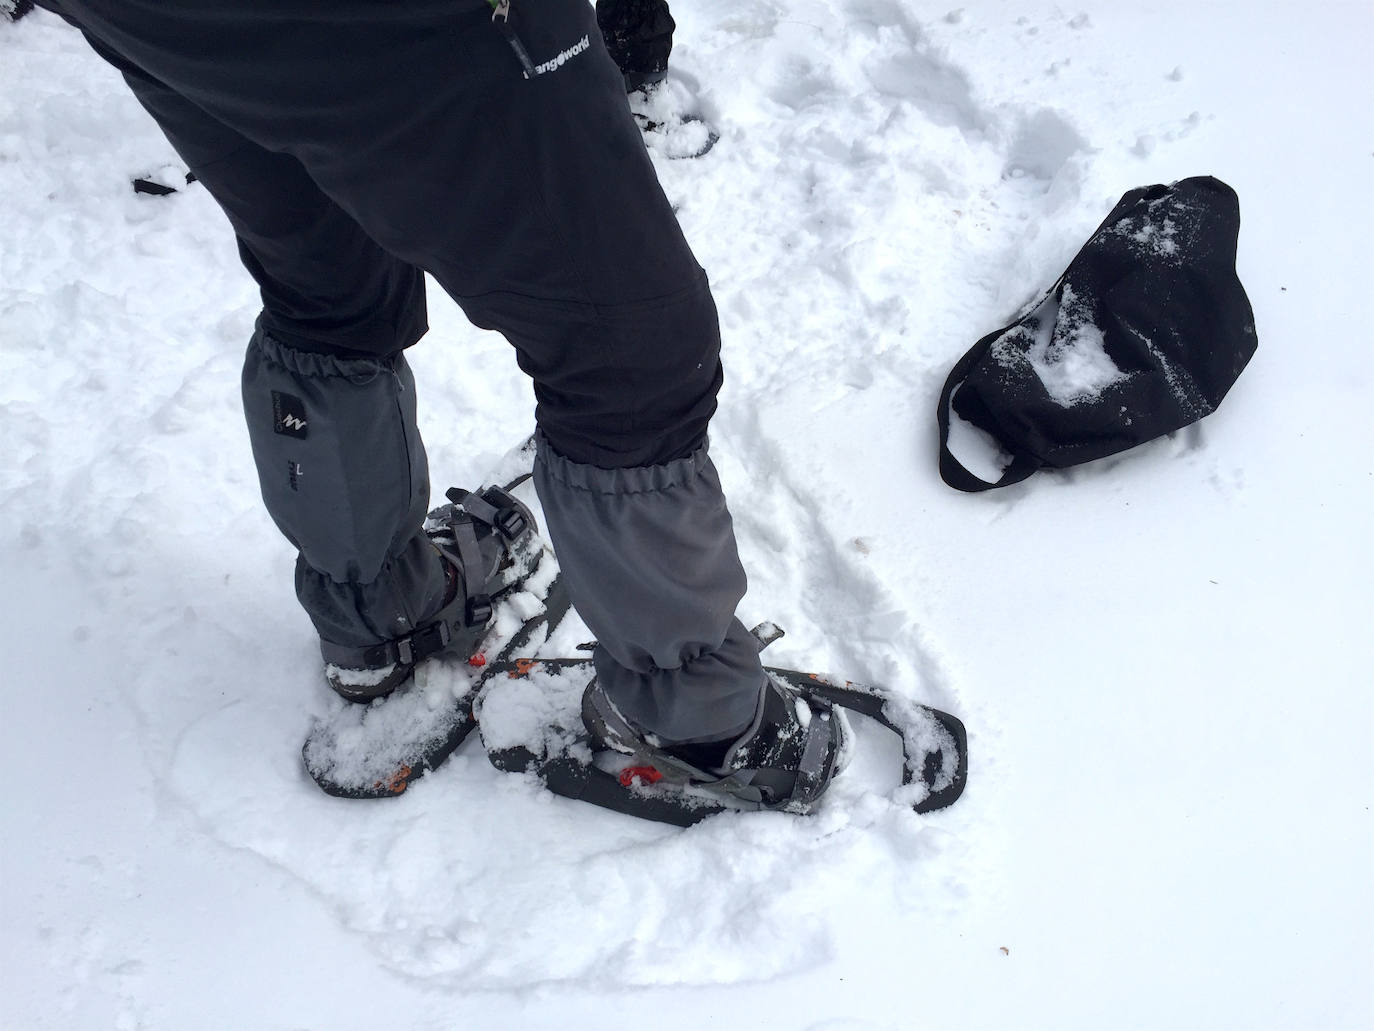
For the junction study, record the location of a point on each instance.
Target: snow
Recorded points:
(363, 745)
(540, 711)
(1063, 347)
(1163, 659)
(359, 677)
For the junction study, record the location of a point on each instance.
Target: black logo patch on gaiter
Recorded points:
(288, 415)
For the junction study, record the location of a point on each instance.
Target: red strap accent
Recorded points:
(647, 774)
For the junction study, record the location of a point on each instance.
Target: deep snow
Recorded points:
(1164, 660)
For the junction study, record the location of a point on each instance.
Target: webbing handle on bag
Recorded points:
(952, 471)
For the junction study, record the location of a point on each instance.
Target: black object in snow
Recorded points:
(15, 9)
(1143, 334)
(639, 36)
(147, 184)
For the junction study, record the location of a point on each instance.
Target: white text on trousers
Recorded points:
(554, 63)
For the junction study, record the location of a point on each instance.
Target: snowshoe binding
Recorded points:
(784, 761)
(487, 542)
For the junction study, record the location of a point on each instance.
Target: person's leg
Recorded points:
(639, 36)
(533, 202)
(329, 398)
(621, 338)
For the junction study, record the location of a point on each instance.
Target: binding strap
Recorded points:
(470, 609)
(430, 639)
(952, 470)
(468, 556)
(495, 507)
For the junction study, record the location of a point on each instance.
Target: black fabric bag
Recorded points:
(1143, 334)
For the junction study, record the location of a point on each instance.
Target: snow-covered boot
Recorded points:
(785, 760)
(489, 544)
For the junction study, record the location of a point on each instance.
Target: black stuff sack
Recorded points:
(1143, 334)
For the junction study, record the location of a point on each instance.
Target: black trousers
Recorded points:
(354, 144)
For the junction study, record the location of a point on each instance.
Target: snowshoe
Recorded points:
(663, 111)
(537, 715)
(377, 750)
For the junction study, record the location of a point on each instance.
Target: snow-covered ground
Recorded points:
(1164, 661)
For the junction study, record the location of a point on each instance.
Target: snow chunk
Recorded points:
(1159, 239)
(359, 677)
(540, 711)
(1163, 229)
(1064, 347)
(361, 746)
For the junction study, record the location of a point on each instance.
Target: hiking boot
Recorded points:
(785, 760)
(489, 544)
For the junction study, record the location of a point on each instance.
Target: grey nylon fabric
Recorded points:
(651, 564)
(344, 476)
